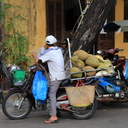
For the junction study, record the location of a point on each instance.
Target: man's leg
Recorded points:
(52, 96)
(54, 85)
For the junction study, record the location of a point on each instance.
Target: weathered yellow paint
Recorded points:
(119, 15)
(35, 26)
(41, 24)
(34, 11)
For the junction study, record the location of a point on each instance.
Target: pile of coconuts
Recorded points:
(82, 61)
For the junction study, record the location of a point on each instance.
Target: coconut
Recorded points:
(92, 61)
(75, 69)
(82, 55)
(74, 60)
(90, 73)
(80, 64)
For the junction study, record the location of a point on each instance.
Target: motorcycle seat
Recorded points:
(65, 83)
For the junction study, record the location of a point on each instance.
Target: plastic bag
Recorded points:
(126, 69)
(40, 87)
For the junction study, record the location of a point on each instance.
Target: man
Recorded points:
(54, 57)
(41, 51)
(64, 45)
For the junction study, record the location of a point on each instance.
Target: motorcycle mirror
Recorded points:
(99, 51)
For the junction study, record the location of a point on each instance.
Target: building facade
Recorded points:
(59, 17)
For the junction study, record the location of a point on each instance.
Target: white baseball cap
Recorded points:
(50, 39)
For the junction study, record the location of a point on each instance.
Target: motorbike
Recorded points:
(18, 103)
(6, 79)
(114, 88)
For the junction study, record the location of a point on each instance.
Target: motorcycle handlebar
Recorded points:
(118, 50)
(112, 51)
(121, 49)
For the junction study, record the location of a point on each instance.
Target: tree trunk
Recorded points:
(88, 32)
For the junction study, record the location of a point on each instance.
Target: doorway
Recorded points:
(62, 15)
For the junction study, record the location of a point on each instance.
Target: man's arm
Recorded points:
(35, 58)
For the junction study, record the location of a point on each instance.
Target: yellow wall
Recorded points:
(119, 15)
(40, 24)
(35, 26)
(34, 11)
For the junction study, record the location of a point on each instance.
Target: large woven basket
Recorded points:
(81, 96)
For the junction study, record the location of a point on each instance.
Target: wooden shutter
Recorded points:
(55, 18)
(106, 41)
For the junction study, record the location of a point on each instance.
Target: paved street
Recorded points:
(110, 116)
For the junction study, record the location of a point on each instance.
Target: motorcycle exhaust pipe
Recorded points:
(106, 99)
(110, 99)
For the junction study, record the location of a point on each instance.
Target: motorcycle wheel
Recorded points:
(16, 106)
(84, 112)
(101, 91)
(1, 97)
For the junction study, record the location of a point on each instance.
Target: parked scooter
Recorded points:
(19, 102)
(111, 55)
(6, 79)
(115, 86)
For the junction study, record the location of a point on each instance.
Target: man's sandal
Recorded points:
(51, 121)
